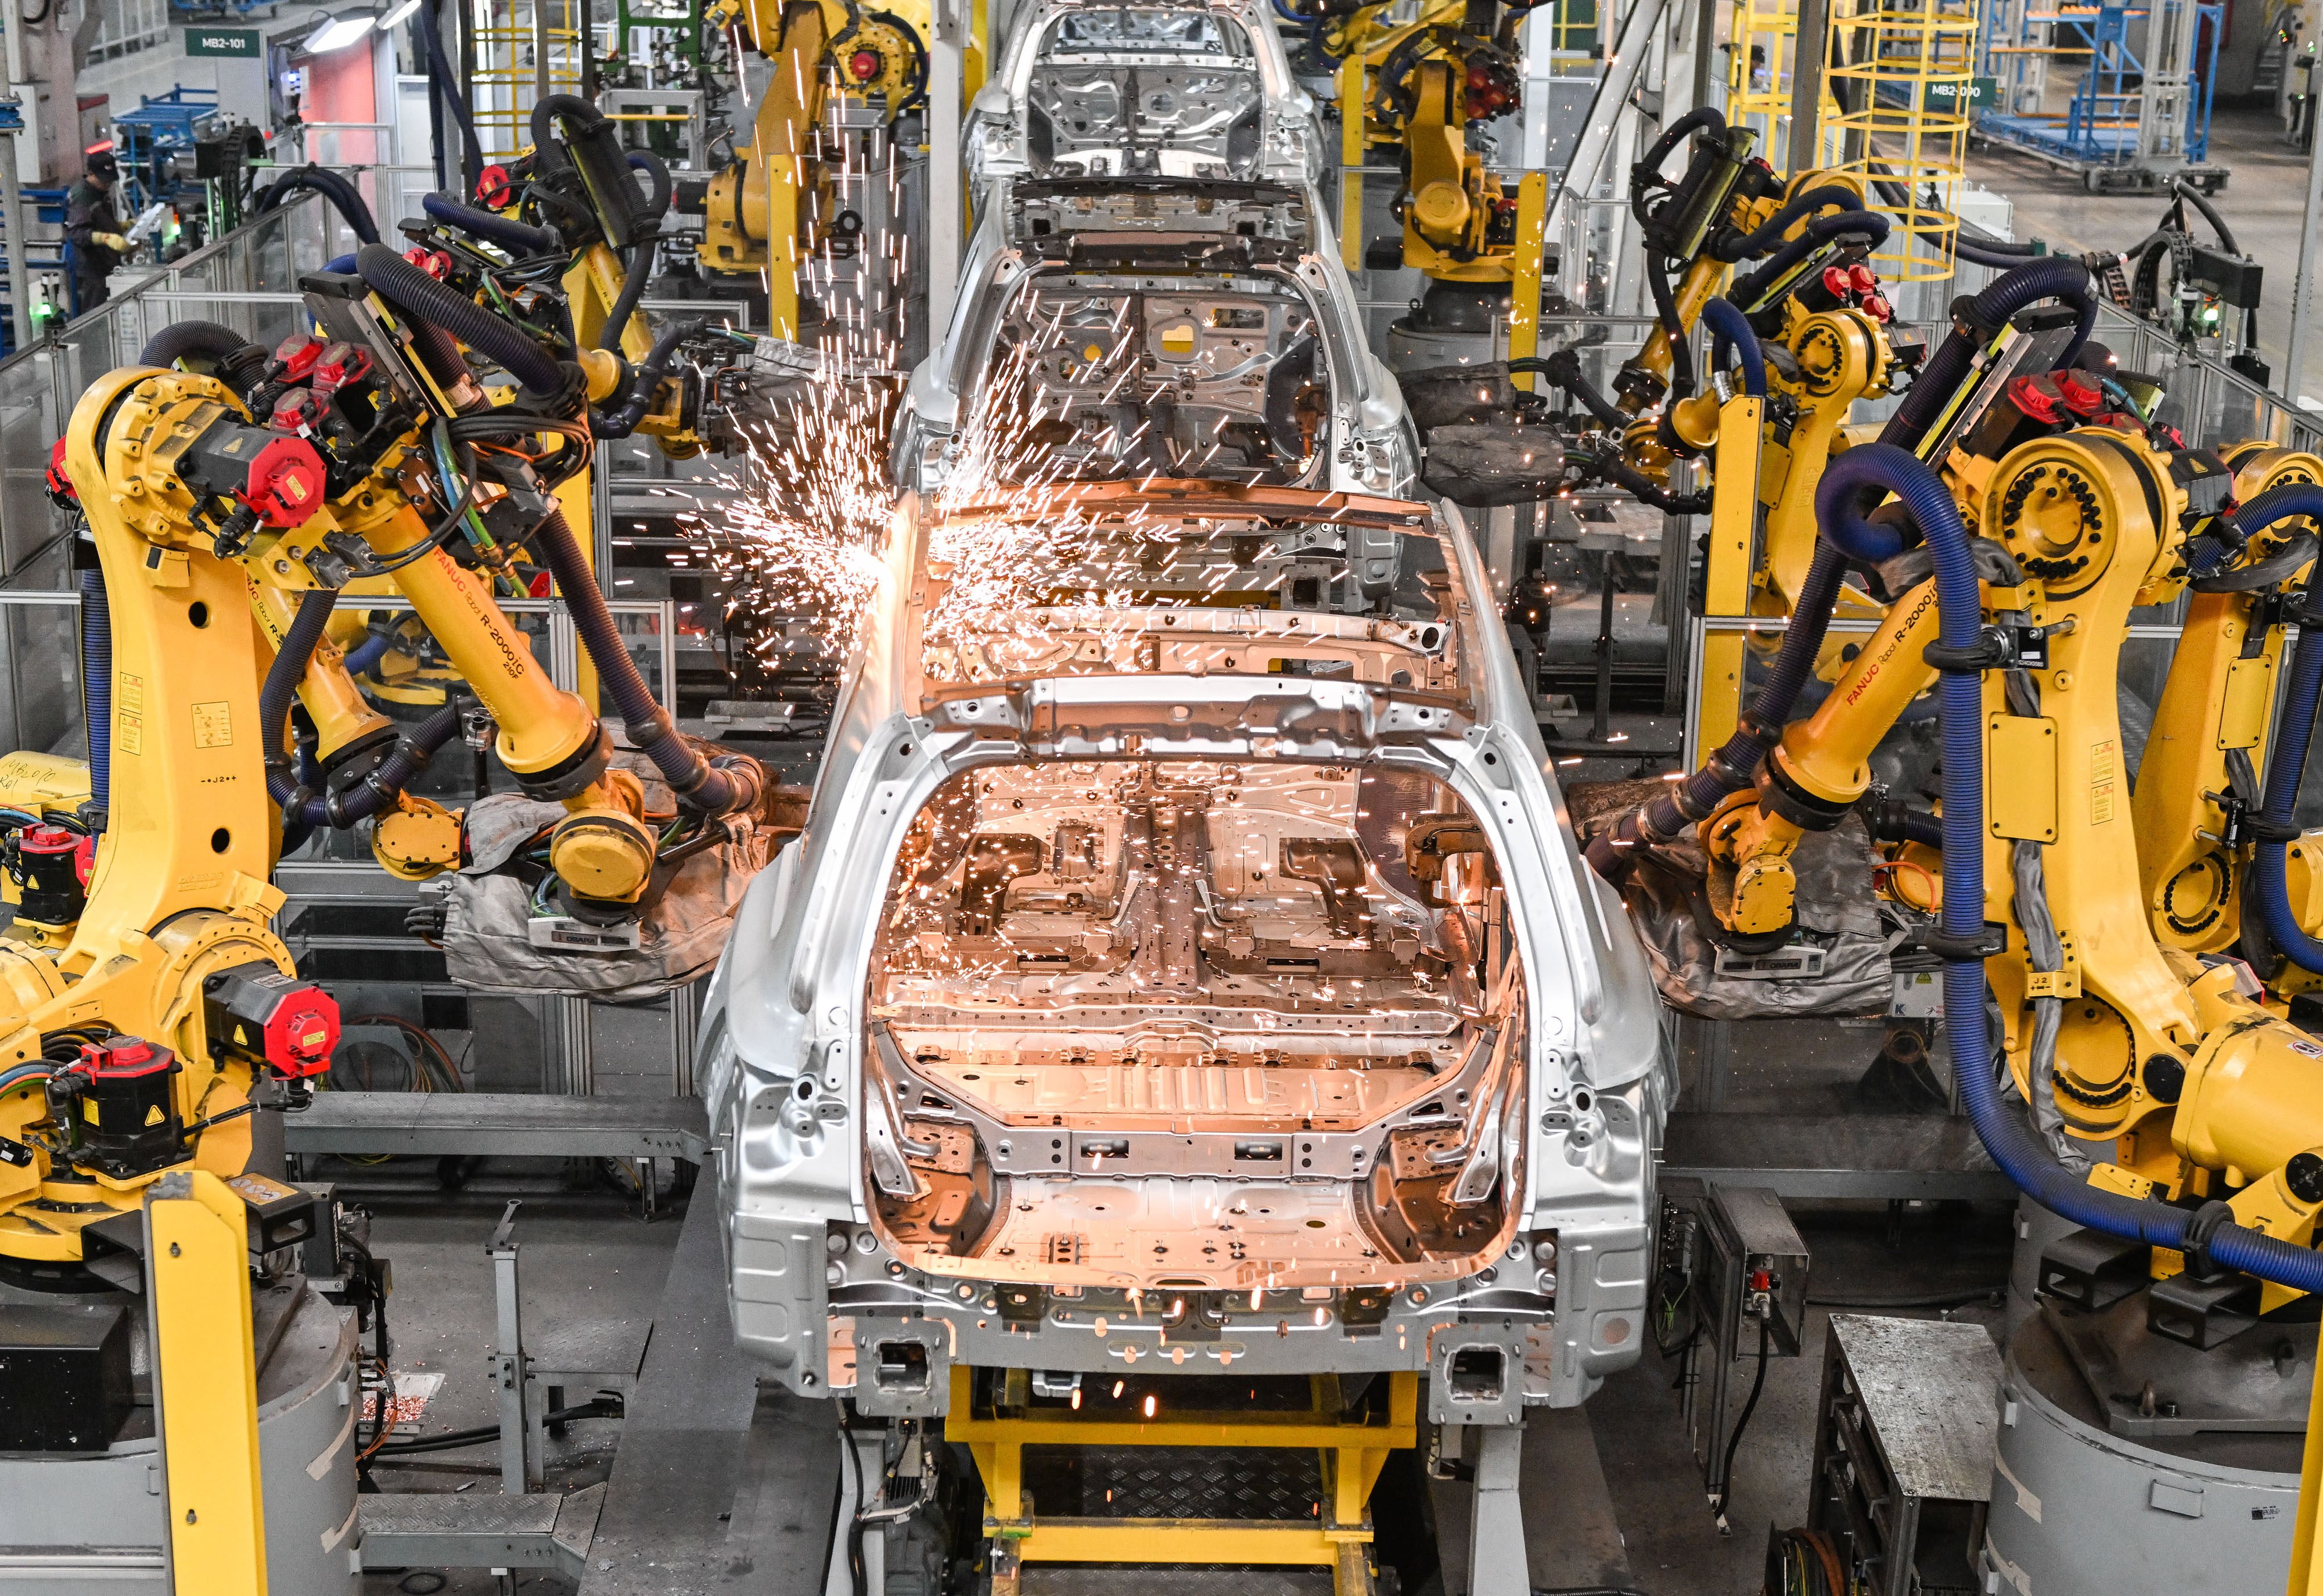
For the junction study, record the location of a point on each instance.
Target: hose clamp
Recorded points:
(1988, 943)
(2201, 1231)
(1989, 652)
(2257, 827)
(1780, 793)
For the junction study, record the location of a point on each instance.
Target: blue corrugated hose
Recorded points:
(2009, 1137)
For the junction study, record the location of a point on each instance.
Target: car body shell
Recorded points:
(823, 1297)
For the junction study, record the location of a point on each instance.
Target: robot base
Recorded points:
(2078, 1510)
(75, 1522)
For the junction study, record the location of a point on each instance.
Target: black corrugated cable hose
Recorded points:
(240, 362)
(332, 186)
(637, 265)
(442, 80)
(723, 786)
(301, 803)
(1563, 369)
(1769, 232)
(1869, 226)
(621, 423)
(521, 237)
(1681, 346)
(2202, 202)
(665, 187)
(426, 300)
(549, 108)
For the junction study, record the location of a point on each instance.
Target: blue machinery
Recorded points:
(148, 139)
(2140, 115)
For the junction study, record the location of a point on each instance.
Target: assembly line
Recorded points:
(1004, 568)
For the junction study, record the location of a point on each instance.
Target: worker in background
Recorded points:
(93, 227)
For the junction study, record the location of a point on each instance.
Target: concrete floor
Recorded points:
(2263, 203)
(585, 1263)
(588, 1262)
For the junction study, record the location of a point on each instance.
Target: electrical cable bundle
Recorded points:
(1805, 1562)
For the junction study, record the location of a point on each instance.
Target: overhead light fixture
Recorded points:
(396, 17)
(339, 32)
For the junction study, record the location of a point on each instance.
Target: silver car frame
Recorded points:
(834, 1311)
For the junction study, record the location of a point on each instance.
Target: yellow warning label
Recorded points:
(213, 726)
(2104, 767)
(129, 715)
(153, 1115)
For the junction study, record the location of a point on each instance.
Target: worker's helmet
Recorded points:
(101, 164)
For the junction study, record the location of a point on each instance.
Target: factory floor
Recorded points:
(2264, 202)
(589, 1261)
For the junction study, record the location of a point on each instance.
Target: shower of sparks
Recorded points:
(802, 541)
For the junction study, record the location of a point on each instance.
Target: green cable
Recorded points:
(477, 534)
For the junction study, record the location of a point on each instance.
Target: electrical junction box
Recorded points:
(1758, 1270)
(64, 1377)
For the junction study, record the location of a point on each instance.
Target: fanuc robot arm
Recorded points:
(2015, 569)
(1806, 312)
(228, 514)
(760, 215)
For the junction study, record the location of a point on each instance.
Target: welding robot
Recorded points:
(789, 197)
(2155, 1099)
(154, 1024)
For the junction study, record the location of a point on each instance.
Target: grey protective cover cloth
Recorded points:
(487, 947)
(1836, 911)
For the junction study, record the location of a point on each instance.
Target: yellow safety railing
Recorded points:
(1897, 113)
(1761, 68)
(523, 48)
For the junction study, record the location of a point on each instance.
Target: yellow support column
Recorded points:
(1733, 529)
(974, 63)
(1351, 161)
(2305, 1568)
(1531, 247)
(207, 1372)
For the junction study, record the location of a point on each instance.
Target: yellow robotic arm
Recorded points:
(757, 220)
(2198, 784)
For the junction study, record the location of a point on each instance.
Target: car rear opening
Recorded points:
(1160, 1025)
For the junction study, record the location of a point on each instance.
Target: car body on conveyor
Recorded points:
(1112, 326)
(1153, 287)
(1185, 90)
(1187, 957)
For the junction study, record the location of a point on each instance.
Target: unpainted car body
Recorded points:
(1187, 963)
(1199, 88)
(1128, 326)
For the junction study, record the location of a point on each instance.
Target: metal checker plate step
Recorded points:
(1261, 1484)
